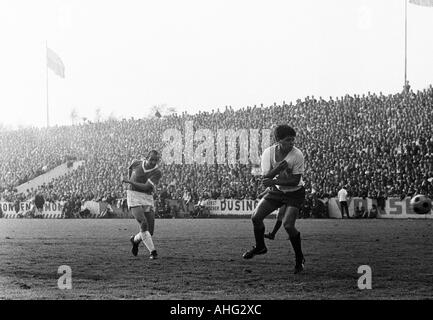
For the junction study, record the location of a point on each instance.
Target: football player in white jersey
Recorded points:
(282, 169)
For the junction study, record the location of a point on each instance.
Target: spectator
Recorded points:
(84, 211)
(200, 209)
(381, 201)
(373, 212)
(186, 202)
(124, 205)
(342, 198)
(68, 211)
(39, 203)
(357, 214)
(164, 195)
(363, 212)
(107, 212)
(319, 208)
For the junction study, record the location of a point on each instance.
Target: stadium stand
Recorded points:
(380, 145)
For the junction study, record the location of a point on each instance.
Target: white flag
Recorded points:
(424, 3)
(55, 63)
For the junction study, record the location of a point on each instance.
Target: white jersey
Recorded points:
(295, 160)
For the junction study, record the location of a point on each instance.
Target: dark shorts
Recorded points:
(291, 199)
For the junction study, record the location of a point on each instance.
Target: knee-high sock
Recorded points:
(259, 234)
(277, 227)
(147, 240)
(296, 244)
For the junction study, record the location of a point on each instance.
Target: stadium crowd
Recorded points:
(378, 145)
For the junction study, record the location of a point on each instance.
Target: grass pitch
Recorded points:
(202, 259)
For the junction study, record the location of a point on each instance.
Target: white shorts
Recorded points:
(138, 199)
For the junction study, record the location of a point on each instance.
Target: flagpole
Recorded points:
(46, 63)
(405, 43)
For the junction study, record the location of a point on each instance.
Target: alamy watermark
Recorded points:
(65, 281)
(225, 146)
(364, 281)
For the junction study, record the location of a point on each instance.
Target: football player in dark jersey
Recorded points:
(143, 176)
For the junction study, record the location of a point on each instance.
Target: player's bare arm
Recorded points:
(275, 171)
(263, 193)
(143, 187)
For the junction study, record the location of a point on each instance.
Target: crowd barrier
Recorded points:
(11, 210)
(232, 207)
(394, 209)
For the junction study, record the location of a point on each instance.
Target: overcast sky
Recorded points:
(126, 56)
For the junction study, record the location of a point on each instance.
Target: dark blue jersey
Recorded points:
(138, 173)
